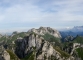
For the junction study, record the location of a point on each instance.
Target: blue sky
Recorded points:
(22, 15)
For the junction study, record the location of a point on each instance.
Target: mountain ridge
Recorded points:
(43, 43)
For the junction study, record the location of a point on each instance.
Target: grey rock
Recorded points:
(43, 49)
(44, 30)
(4, 55)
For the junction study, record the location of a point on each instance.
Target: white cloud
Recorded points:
(41, 12)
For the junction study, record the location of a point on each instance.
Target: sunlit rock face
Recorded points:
(4, 55)
(44, 30)
(26, 45)
(42, 49)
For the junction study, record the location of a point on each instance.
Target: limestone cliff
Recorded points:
(4, 55)
(39, 48)
(44, 30)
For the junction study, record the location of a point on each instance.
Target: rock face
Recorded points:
(75, 46)
(42, 49)
(44, 30)
(4, 55)
(71, 49)
(68, 38)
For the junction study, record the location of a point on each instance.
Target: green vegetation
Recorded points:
(67, 44)
(22, 34)
(12, 55)
(14, 37)
(57, 45)
(9, 39)
(29, 56)
(32, 33)
(80, 52)
(78, 39)
(63, 54)
(51, 38)
(53, 58)
(2, 38)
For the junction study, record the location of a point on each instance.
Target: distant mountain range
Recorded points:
(77, 30)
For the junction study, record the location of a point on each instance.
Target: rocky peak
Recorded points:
(78, 26)
(44, 30)
(4, 55)
(40, 48)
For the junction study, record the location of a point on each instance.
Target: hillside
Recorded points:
(43, 43)
(78, 39)
(74, 47)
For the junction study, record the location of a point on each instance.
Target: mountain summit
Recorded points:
(44, 30)
(39, 44)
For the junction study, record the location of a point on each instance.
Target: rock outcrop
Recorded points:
(44, 30)
(68, 38)
(4, 55)
(42, 49)
(40, 44)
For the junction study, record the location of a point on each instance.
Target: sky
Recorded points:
(20, 15)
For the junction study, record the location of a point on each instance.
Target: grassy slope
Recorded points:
(12, 55)
(48, 37)
(78, 39)
(29, 57)
(51, 38)
(63, 54)
(80, 52)
(22, 34)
